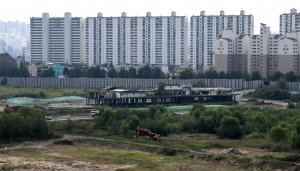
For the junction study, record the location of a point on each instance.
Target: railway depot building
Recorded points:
(173, 94)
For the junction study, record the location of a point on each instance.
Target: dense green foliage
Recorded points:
(10, 69)
(48, 73)
(234, 122)
(272, 92)
(27, 123)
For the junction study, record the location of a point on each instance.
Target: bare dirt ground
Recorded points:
(42, 155)
(8, 158)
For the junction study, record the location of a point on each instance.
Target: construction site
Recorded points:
(172, 94)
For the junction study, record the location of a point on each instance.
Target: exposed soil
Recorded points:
(234, 157)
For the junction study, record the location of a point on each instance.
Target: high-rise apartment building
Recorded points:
(271, 53)
(204, 32)
(290, 22)
(232, 52)
(58, 39)
(137, 40)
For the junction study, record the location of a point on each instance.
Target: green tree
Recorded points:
(246, 76)
(132, 72)
(212, 74)
(144, 72)
(197, 110)
(201, 74)
(8, 68)
(112, 73)
(84, 73)
(276, 76)
(123, 73)
(4, 81)
(75, 72)
(48, 73)
(296, 136)
(221, 75)
(124, 130)
(155, 73)
(66, 71)
(133, 122)
(255, 75)
(161, 86)
(187, 74)
(283, 84)
(278, 134)
(96, 72)
(200, 83)
(230, 128)
(23, 70)
(105, 118)
(290, 76)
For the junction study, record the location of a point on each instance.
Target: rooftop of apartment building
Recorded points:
(148, 14)
(222, 13)
(292, 11)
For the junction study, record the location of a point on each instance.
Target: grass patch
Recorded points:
(101, 155)
(197, 145)
(49, 92)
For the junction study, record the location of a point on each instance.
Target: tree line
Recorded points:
(111, 72)
(10, 69)
(235, 122)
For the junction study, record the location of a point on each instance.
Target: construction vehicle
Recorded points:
(146, 132)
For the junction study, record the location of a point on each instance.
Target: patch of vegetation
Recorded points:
(51, 92)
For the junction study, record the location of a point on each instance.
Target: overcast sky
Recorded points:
(264, 11)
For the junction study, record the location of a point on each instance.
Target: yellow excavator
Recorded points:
(145, 131)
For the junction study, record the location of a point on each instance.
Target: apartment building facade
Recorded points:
(271, 53)
(58, 39)
(204, 32)
(157, 40)
(290, 22)
(232, 52)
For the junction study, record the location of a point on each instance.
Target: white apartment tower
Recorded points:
(58, 39)
(290, 22)
(204, 32)
(137, 40)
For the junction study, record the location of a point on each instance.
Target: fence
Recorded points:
(235, 84)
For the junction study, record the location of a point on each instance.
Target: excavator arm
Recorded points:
(145, 131)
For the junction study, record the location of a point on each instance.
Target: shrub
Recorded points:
(254, 135)
(296, 136)
(69, 124)
(124, 130)
(278, 134)
(27, 123)
(230, 128)
(87, 126)
(42, 94)
(16, 86)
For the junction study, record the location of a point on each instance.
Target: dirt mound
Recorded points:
(168, 151)
(291, 158)
(40, 107)
(230, 151)
(63, 142)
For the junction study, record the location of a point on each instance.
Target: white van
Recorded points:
(94, 112)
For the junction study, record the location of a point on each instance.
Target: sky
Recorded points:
(264, 11)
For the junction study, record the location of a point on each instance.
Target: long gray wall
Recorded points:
(235, 84)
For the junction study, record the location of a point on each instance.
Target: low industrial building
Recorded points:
(173, 94)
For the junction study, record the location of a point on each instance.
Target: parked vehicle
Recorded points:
(94, 112)
(48, 117)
